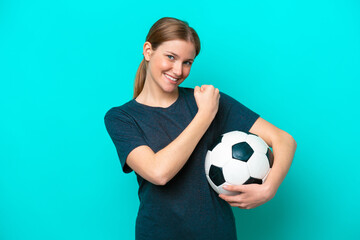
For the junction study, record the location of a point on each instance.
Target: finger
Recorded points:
(233, 202)
(212, 88)
(242, 206)
(197, 89)
(238, 203)
(235, 188)
(229, 198)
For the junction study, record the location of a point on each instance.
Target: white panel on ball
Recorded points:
(258, 165)
(207, 162)
(221, 154)
(234, 137)
(257, 143)
(236, 172)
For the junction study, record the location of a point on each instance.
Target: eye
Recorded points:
(188, 63)
(170, 56)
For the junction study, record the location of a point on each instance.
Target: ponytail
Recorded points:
(140, 78)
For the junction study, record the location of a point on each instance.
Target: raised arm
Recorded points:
(159, 168)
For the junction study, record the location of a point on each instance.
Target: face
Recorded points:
(170, 64)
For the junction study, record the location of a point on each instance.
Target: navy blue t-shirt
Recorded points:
(186, 207)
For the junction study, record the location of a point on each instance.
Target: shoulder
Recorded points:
(190, 91)
(226, 101)
(121, 112)
(226, 98)
(231, 104)
(187, 90)
(118, 121)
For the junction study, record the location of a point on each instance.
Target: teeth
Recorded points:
(173, 79)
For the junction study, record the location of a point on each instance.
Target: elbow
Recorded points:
(161, 182)
(151, 174)
(290, 139)
(154, 178)
(284, 137)
(160, 179)
(161, 174)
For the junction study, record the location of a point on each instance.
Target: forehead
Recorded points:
(181, 48)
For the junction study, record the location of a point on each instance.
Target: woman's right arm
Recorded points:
(159, 168)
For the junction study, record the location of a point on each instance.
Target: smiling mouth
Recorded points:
(171, 78)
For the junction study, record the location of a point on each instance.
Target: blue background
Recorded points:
(63, 64)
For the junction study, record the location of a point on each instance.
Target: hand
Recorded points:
(207, 99)
(249, 195)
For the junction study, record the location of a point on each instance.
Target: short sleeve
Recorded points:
(236, 115)
(125, 135)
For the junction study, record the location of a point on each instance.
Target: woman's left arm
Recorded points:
(283, 146)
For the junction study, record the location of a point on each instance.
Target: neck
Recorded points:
(156, 97)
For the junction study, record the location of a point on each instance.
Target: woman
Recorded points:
(163, 134)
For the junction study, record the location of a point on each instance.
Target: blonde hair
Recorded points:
(165, 29)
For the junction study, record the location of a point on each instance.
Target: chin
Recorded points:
(170, 89)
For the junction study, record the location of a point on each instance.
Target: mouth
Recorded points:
(174, 80)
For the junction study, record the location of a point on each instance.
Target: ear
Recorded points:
(147, 50)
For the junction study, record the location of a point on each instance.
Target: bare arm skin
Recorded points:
(159, 168)
(283, 145)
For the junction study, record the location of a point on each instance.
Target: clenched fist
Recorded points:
(207, 99)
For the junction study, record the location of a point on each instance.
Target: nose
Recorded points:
(177, 69)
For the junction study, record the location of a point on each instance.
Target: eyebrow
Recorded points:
(178, 56)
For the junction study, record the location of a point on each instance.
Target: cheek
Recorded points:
(159, 64)
(186, 71)
(164, 65)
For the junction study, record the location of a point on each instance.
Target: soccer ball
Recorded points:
(237, 158)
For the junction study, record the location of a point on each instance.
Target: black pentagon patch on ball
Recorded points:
(242, 151)
(216, 175)
(270, 157)
(216, 142)
(252, 180)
